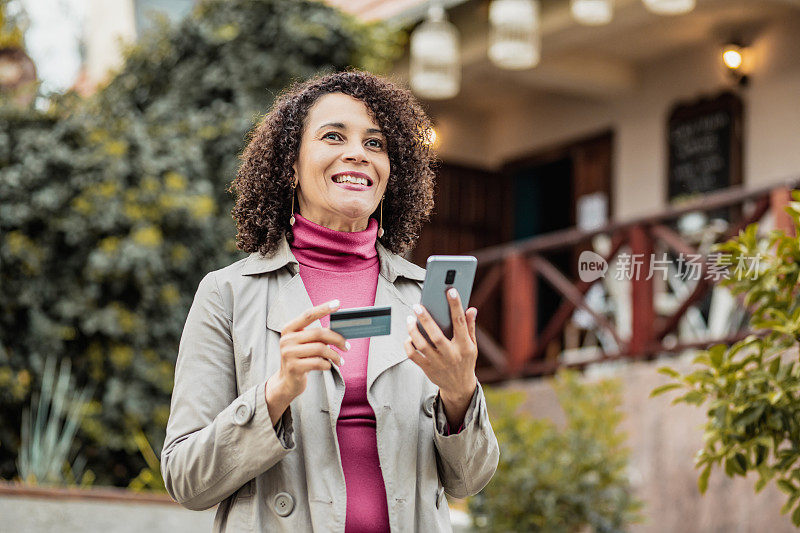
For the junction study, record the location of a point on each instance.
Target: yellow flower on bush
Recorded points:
(178, 254)
(109, 245)
(94, 354)
(116, 148)
(208, 132)
(175, 181)
(107, 189)
(121, 355)
(148, 236)
(18, 242)
(226, 32)
(150, 184)
(202, 206)
(82, 205)
(24, 378)
(168, 201)
(126, 320)
(133, 211)
(68, 333)
(170, 294)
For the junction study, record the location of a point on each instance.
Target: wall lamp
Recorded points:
(736, 58)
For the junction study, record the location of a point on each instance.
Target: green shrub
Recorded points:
(558, 480)
(114, 207)
(752, 388)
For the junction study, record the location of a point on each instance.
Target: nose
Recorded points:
(354, 153)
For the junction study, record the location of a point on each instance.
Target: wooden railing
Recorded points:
(507, 285)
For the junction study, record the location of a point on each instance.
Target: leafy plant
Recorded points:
(752, 388)
(112, 208)
(48, 430)
(558, 480)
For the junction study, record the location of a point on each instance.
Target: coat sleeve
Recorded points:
(466, 460)
(215, 442)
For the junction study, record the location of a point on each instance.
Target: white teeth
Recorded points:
(346, 178)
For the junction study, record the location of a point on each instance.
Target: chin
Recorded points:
(355, 210)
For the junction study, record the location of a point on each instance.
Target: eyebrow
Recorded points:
(341, 126)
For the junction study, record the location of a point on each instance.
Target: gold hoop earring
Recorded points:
(291, 218)
(380, 224)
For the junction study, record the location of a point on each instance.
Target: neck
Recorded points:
(349, 225)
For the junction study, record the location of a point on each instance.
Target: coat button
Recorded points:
(242, 414)
(439, 496)
(427, 405)
(284, 504)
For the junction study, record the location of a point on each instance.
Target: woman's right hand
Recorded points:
(302, 350)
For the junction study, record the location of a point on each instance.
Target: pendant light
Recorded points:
(592, 12)
(669, 7)
(515, 38)
(435, 62)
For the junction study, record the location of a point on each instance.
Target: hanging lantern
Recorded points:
(592, 12)
(669, 7)
(515, 38)
(435, 63)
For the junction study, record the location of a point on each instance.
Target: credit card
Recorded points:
(360, 322)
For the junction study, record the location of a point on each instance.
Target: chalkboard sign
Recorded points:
(705, 145)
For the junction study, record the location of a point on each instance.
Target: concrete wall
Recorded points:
(663, 440)
(41, 510)
(30, 513)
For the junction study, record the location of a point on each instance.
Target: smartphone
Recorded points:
(443, 272)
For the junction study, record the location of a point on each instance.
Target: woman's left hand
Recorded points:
(448, 363)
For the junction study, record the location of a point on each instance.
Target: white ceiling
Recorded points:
(595, 62)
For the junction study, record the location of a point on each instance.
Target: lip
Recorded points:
(353, 186)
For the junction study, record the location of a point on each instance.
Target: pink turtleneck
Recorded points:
(337, 264)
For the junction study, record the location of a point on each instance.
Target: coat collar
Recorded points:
(391, 264)
(292, 299)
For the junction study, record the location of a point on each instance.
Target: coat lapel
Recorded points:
(292, 299)
(387, 351)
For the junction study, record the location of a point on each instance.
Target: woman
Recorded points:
(268, 419)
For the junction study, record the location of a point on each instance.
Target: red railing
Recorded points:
(507, 285)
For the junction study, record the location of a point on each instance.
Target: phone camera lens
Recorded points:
(450, 277)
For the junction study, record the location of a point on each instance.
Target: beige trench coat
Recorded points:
(221, 447)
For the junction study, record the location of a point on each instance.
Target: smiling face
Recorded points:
(342, 164)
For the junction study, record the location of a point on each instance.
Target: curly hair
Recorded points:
(263, 184)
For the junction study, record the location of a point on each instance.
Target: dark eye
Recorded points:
(326, 136)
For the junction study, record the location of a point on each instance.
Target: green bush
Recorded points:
(752, 388)
(558, 480)
(114, 207)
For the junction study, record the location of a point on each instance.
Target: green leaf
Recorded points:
(750, 415)
(741, 463)
(730, 467)
(693, 397)
(702, 481)
(671, 372)
(664, 388)
(789, 503)
(761, 454)
(774, 366)
(796, 516)
(716, 354)
(786, 486)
